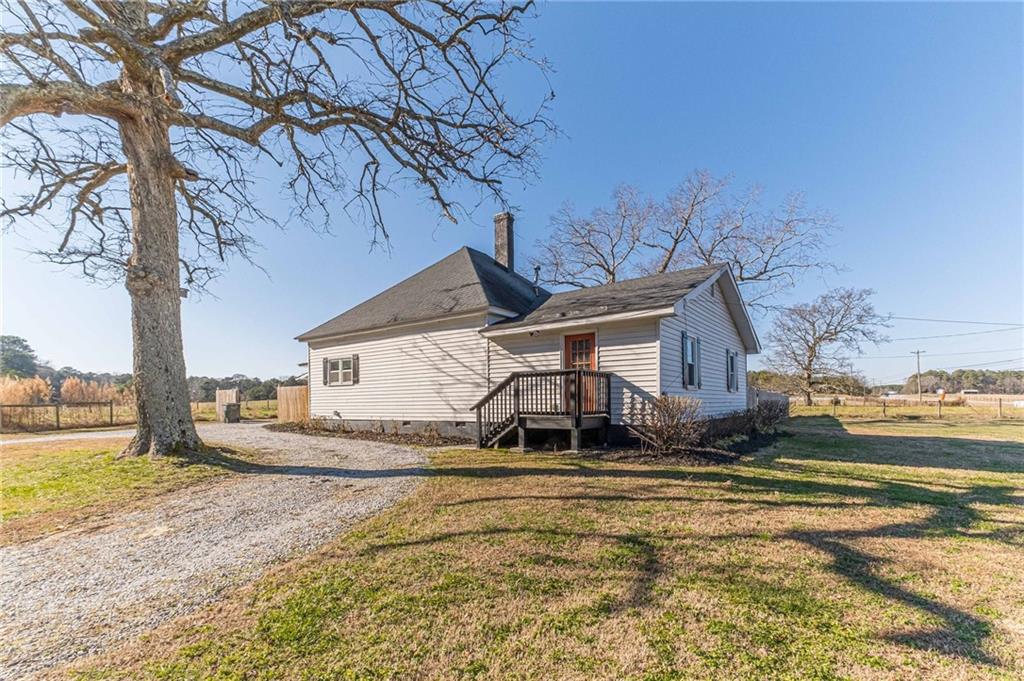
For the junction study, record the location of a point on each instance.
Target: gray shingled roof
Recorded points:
(633, 295)
(465, 281)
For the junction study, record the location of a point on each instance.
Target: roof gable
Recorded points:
(734, 304)
(465, 281)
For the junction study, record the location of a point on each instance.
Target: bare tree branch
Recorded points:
(595, 249)
(139, 126)
(814, 341)
(698, 223)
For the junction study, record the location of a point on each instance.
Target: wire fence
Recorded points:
(64, 415)
(906, 406)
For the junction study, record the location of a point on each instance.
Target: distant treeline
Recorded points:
(847, 384)
(204, 388)
(983, 380)
(20, 366)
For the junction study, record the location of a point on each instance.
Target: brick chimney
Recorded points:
(504, 241)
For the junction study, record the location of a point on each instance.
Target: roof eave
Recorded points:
(506, 329)
(308, 338)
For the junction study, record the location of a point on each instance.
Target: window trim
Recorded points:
(337, 376)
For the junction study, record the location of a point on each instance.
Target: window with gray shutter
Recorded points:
(341, 371)
(691, 361)
(697, 363)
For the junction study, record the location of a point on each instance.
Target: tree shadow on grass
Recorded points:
(958, 633)
(953, 514)
(827, 438)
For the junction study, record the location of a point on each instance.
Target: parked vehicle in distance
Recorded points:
(970, 392)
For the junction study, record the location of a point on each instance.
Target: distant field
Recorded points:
(907, 411)
(252, 409)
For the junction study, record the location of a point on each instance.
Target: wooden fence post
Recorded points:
(111, 412)
(1000, 407)
(940, 408)
(56, 408)
(883, 408)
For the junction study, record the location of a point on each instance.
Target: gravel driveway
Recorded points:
(74, 593)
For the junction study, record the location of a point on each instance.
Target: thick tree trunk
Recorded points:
(153, 282)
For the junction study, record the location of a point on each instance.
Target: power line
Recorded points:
(981, 364)
(954, 335)
(955, 321)
(944, 354)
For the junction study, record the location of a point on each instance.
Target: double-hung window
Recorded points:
(691, 361)
(341, 370)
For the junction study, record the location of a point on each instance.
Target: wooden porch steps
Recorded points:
(570, 399)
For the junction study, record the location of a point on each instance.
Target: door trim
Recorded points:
(569, 337)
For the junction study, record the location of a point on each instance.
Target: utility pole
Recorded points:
(920, 399)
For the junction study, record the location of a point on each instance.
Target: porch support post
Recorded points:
(522, 437)
(574, 438)
(479, 429)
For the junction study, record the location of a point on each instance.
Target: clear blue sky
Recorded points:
(904, 120)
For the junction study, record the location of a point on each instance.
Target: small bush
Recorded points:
(767, 415)
(671, 425)
(431, 434)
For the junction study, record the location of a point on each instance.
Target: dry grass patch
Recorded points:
(800, 562)
(48, 486)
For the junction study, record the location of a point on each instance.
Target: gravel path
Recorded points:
(74, 593)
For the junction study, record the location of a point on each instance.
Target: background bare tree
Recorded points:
(598, 248)
(698, 223)
(139, 124)
(813, 341)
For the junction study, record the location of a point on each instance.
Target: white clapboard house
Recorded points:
(469, 346)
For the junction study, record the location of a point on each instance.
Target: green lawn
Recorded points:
(50, 485)
(837, 553)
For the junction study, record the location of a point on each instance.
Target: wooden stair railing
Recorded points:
(572, 393)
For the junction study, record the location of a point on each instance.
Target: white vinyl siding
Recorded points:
(629, 350)
(705, 317)
(429, 373)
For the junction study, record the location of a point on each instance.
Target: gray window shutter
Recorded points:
(355, 368)
(325, 370)
(685, 382)
(728, 378)
(696, 361)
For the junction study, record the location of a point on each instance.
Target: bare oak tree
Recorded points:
(813, 341)
(598, 248)
(698, 223)
(139, 125)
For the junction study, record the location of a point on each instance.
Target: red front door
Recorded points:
(580, 352)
